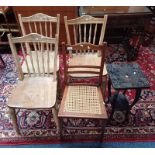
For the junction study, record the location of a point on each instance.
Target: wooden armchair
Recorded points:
(42, 24)
(86, 29)
(36, 90)
(83, 100)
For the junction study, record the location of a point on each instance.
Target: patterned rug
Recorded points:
(36, 126)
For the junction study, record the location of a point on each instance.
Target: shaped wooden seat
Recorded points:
(44, 97)
(42, 24)
(37, 89)
(82, 100)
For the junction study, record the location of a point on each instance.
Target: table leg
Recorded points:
(109, 88)
(137, 95)
(124, 91)
(61, 128)
(1, 59)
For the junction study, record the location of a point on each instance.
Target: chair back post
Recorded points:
(55, 57)
(21, 24)
(14, 52)
(67, 30)
(64, 50)
(58, 26)
(103, 29)
(102, 62)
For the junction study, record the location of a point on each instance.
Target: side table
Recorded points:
(123, 77)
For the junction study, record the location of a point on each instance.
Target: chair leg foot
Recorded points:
(55, 117)
(14, 120)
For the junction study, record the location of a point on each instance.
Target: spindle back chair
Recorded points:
(44, 25)
(86, 29)
(36, 90)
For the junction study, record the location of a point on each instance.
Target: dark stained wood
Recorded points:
(70, 11)
(121, 19)
(85, 46)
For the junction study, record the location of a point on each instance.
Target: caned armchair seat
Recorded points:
(33, 93)
(83, 101)
(51, 59)
(84, 59)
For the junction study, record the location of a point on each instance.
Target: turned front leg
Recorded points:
(14, 119)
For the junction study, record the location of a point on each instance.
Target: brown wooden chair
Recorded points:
(42, 24)
(82, 100)
(86, 29)
(36, 90)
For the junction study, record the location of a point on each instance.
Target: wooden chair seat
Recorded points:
(92, 59)
(83, 102)
(51, 59)
(36, 92)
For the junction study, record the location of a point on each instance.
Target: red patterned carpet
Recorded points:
(36, 126)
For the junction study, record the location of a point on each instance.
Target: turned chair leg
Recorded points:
(55, 117)
(14, 120)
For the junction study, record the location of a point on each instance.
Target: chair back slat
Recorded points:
(94, 38)
(75, 67)
(31, 61)
(90, 33)
(41, 47)
(75, 34)
(30, 27)
(46, 29)
(42, 54)
(35, 26)
(40, 27)
(50, 29)
(24, 55)
(37, 57)
(80, 33)
(48, 59)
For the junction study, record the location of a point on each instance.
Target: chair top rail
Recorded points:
(86, 19)
(40, 17)
(34, 37)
